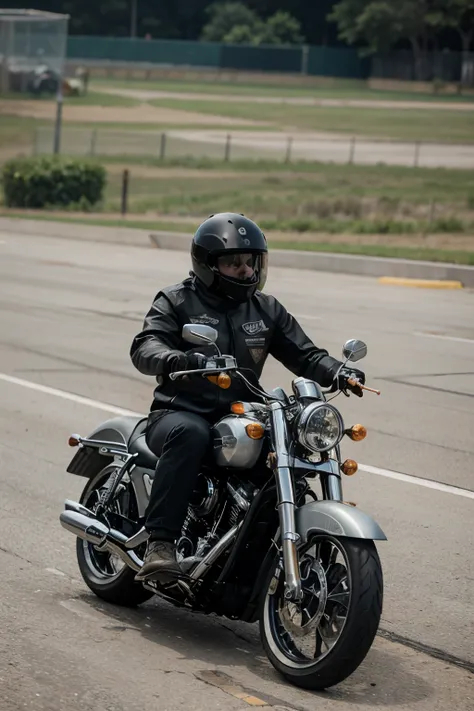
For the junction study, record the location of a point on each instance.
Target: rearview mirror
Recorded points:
(354, 350)
(199, 333)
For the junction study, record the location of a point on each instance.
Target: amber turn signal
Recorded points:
(74, 441)
(357, 433)
(238, 408)
(349, 467)
(255, 430)
(222, 380)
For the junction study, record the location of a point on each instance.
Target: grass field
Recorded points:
(377, 210)
(307, 193)
(92, 98)
(340, 90)
(403, 124)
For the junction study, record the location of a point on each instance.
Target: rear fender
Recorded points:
(87, 461)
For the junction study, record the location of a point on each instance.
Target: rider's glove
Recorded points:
(346, 374)
(177, 360)
(196, 361)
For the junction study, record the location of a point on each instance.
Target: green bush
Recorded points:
(52, 181)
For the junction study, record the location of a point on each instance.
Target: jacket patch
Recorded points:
(253, 327)
(255, 342)
(257, 354)
(205, 319)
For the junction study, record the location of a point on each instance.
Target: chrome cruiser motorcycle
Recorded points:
(258, 542)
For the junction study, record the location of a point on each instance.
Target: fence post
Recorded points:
(417, 154)
(36, 142)
(59, 118)
(288, 149)
(352, 150)
(304, 59)
(125, 180)
(432, 211)
(93, 141)
(163, 146)
(227, 147)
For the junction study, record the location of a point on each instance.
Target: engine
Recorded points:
(215, 507)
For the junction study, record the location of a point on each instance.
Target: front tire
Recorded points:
(342, 606)
(106, 575)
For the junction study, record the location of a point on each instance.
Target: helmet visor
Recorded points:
(239, 265)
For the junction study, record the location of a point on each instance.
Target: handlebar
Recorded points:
(356, 383)
(205, 372)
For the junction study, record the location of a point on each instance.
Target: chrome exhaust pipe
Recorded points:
(78, 508)
(89, 529)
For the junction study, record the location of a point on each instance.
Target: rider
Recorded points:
(229, 259)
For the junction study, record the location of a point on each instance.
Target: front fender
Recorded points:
(338, 519)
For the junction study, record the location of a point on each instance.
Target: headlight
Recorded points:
(320, 427)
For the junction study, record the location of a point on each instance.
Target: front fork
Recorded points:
(286, 502)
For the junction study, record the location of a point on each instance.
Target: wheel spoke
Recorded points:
(341, 598)
(318, 646)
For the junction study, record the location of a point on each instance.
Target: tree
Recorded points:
(460, 16)
(226, 17)
(379, 24)
(375, 24)
(241, 34)
(281, 28)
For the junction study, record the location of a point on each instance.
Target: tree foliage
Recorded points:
(234, 22)
(378, 25)
(372, 24)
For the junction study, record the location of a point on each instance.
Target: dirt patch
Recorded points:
(143, 113)
(149, 94)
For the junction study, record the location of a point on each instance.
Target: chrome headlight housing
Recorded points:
(320, 427)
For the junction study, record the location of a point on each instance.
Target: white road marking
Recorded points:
(308, 318)
(69, 396)
(105, 407)
(411, 479)
(457, 339)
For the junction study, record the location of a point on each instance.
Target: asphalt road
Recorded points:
(68, 312)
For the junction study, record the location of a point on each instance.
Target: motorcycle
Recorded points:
(258, 542)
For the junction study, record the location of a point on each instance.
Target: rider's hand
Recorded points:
(196, 361)
(177, 360)
(174, 361)
(346, 374)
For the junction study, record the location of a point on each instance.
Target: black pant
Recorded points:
(181, 440)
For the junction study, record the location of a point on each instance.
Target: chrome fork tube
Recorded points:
(286, 502)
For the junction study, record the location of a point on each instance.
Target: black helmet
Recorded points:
(228, 234)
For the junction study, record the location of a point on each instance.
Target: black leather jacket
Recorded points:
(249, 331)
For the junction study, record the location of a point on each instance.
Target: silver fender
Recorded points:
(338, 519)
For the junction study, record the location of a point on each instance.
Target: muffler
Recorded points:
(83, 524)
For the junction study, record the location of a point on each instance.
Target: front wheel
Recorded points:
(321, 640)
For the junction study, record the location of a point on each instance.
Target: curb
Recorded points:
(378, 267)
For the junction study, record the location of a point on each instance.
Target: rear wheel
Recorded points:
(105, 573)
(321, 640)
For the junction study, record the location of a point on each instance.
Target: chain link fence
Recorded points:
(244, 146)
(32, 45)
